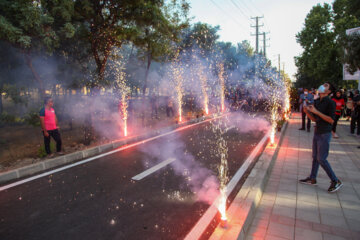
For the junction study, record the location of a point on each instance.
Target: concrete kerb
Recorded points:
(249, 196)
(76, 156)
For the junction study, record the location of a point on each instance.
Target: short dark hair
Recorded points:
(357, 91)
(46, 99)
(331, 86)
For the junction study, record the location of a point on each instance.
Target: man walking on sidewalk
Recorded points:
(323, 113)
(305, 99)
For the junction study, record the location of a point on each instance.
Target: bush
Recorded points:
(7, 118)
(32, 118)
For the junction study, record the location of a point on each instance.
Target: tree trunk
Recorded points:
(147, 73)
(35, 74)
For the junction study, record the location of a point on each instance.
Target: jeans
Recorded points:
(303, 115)
(320, 151)
(56, 136)
(337, 117)
(355, 122)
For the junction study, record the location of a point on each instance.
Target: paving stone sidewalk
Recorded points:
(290, 210)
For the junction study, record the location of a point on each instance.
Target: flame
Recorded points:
(125, 127)
(206, 108)
(272, 136)
(222, 204)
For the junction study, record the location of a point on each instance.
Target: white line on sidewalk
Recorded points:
(14, 184)
(152, 169)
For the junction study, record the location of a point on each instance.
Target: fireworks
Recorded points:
(124, 90)
(176, 74)
(222, 152)
(222, 86)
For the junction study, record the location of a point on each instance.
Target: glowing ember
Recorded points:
(222, 86)
(206, 107)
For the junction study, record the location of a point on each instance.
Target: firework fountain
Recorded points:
(124, 90)
(203, 81)
(176, 75)
(222, 152)
(222, 86)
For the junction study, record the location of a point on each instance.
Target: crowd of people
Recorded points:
(347, 104)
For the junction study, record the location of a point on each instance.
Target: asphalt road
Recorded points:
(99, 199)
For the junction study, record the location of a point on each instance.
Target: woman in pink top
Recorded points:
(49, 125)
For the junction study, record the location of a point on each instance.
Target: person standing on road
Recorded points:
(323, 113)
(49, 125)
(355, 115)
(305, 99)
(339, 101)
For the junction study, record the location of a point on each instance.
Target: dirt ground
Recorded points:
(19, 145)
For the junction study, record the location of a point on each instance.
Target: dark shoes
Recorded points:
(308, 181)
(302, 129)
(335, 186)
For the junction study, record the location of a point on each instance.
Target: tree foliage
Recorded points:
(323, 39)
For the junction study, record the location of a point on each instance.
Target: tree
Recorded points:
(158, 44)
(28, 26)
(346, 16)
(202, 36)
(319, 60)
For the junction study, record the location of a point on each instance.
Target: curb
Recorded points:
(39, 167)
(243, 208)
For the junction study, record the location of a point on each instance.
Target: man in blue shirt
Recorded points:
(306, 99)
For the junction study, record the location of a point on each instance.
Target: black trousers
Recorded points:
(337, 117)
(55, 134)
(303, 115)
(355, 122)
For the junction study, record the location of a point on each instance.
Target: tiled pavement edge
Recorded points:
(289, 210)
(77, 156)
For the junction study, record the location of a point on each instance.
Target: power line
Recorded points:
(241, 11)
(227, 14)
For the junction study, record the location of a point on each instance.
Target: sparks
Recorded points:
(222, 86)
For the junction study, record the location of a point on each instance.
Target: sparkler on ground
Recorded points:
(124, 90)
(222, 86)
(176, 72)
(222, 152)
(273, 124)
(203, 81)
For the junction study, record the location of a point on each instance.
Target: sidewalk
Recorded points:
(290, 210)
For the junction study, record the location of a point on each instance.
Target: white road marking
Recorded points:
(152, 169)
(14, 184)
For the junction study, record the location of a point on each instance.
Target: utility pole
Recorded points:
(264, 40)
(257, 32)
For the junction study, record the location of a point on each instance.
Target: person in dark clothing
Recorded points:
(49, 125)
(340, 103)
(305, 99)
(355, 115)
(323, 113)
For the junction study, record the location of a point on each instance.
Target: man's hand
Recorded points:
(46, 134)
(312, 109)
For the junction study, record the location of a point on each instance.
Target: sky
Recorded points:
(283, 19)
